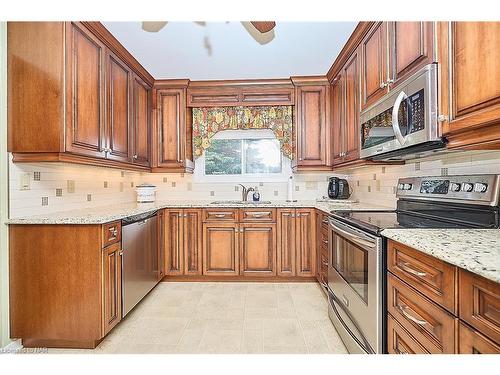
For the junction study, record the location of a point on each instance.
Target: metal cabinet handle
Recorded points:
(411, 317)
(220, 215)
(325, 241)
(120, 252)
(324, 263)
(406, 267)
(395, 124)
(390, 81)
(259, 214)
(383, 85)
(114, 231)
(135, 156)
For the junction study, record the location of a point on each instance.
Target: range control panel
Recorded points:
(479, 189)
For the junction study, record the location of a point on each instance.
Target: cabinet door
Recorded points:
(161, 244)
(470, 74)
(85, 99)
(351, 122)
(311, 124)
(171, 127)
(258, 249)
(411, 48)
(472, 342)
(119, 126)
(112, 268)
(286, 242)
(374, 64)
(173, 232)
(141, 124)
(338, 118)
(220, 249)
(192, 223)
(305, 247)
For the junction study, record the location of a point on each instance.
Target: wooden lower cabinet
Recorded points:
(182, 241)
(472, 342)
(435, 307)
(258, 249)
(221, 249)
(296, 242)
(112, 273)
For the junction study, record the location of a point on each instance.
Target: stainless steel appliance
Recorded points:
(140, 258)
(405, 121)
(338, 188)
(357, 256)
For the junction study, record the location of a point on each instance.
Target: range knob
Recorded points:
(401, 186)
(407, 186)
(455, 187)
(467, 187)
(480, 187)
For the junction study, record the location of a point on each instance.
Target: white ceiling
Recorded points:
(180, 50)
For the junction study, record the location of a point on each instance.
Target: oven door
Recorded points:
(355, 282)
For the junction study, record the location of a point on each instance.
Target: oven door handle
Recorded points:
(395, 124)
(353, 237)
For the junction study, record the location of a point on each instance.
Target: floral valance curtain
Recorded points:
(208, 121)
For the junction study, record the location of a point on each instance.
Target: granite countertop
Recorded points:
(105, 214)
(475, 250)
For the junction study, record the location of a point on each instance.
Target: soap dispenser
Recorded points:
(256, 195)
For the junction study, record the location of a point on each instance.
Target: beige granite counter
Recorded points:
(105, 214)
(475, 250)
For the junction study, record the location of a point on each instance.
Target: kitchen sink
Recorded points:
(221, 203)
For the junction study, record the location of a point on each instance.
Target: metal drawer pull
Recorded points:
(260, 214)
(221, 215)
(324, 263)
(325, 241)
(411, 317)
(114, 231)
(406, 267)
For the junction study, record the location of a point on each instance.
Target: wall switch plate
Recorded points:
(37, 176)
(89, 197)
(59, 192)
(45, 201)
(24, 183)
(121, 186)
(106, 184)
(71, 186)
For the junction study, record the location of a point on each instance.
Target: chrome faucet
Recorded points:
(245, 191)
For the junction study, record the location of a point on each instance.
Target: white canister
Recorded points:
(146, 193)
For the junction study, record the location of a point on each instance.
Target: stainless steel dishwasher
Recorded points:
(140, 258)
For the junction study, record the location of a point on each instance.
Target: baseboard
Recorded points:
(271, 279)
(12, 347)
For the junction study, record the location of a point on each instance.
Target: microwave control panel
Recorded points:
(417, 111)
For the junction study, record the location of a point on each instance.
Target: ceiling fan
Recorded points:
(261, 31)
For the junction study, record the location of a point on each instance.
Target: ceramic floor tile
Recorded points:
(225, 317)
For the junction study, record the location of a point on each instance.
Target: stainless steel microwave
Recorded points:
(405, 121)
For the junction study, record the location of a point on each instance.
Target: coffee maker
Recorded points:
(338, 188)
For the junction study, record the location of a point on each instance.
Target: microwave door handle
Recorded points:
(353, 237)
(395, 124)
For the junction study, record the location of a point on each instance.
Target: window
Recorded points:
(236, 155)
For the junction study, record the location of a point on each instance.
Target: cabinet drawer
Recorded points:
(223, 214)
(430, 276)
(111, 233)
(432, 326)
(479, 304)
(257, 214)
(472, 342)
(399, 341)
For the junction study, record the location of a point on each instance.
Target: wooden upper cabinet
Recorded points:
(257, 249)
(141, 121)
(85, 132)
(312, 128)
(221, 249)
(119, 114)
(171, 128)
(470, 94)
(337, 116)
(411, 47)
(374, 60)
(351, 133)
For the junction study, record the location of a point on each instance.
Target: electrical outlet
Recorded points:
(89, 197)
(212, 193)
(37, 176)
(24, 183)
(121, 186)
(106, 184)
(45, 201)
(174, 183)
(165, 179)
(58, 192)
(71, 186)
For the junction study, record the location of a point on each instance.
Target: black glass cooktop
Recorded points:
(422, 215)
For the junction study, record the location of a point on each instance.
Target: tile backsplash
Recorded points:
(377, 184)
(59, 186)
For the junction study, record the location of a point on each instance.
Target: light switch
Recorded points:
(24, 183)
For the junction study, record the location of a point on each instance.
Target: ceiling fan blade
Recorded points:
(263, 26)
(153, 26)
(261, 38)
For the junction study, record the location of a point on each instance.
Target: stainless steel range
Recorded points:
(357, 256)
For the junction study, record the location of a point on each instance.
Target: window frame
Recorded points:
(286, 166)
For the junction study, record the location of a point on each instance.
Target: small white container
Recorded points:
(146, 193)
